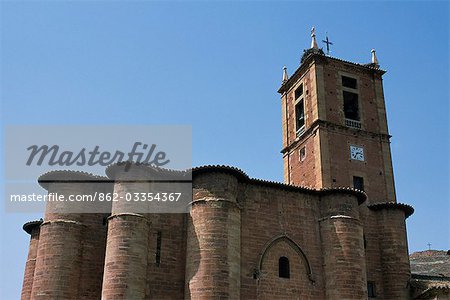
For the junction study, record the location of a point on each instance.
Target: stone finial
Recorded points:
(285, 74)
(313, 39)
(374, 57)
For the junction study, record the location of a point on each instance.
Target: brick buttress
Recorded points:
(214, 239)
(341, 233)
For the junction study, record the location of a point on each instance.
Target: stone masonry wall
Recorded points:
(229, 246)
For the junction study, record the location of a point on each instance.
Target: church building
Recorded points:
(332, 230)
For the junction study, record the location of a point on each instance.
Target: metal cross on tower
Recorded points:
(327, 41)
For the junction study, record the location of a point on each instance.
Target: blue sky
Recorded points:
(217, 67)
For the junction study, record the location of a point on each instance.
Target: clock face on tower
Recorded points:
(356, 153)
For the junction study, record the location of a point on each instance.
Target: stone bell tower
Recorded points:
(334, 125)
(335, 134)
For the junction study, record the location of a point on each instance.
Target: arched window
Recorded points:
(283, 267)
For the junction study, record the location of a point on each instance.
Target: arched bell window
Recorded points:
(283, 267)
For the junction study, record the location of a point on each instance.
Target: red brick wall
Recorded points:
(57, 270)
(271, 286)
(343, 248)
(372, 237)
(305, 172)
(93, 256)
(214, 241)
(288, 102)
(228, 246)
(30, 264)
(372, 111)
(59, 255)
(127, 243)
(125, 274)
(166, 280)
(342, 168)
(268, 213)
(327, 162)
(394, 253)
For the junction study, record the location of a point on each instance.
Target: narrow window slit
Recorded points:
(283, 267)
(371, 292)
(158, 249)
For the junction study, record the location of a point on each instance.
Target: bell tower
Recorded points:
(335, 134)
(335, 131)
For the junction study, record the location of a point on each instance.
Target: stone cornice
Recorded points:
(407, 209)
(244, 178)
(29, 226)
(68, 176)
(153, 172)
(72, 176)
(326, 124)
